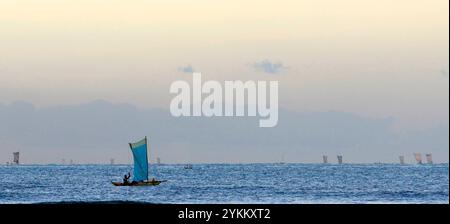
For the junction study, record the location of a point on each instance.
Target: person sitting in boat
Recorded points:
(126, 178)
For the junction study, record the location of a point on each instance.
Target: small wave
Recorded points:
(94, 202)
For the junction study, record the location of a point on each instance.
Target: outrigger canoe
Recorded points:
(136, 184)
(140, 169)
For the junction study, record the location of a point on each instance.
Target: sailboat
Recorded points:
(140, 169)
(339, 157)
(429, 158)
(325, 159)
(16, 158)
(418, 158)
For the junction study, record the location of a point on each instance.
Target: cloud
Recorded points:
(186, 69)
(269, 67)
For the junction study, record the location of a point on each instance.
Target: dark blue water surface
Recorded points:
(230, 183)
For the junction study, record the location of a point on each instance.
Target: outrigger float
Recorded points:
(140, 169)
(143, 183)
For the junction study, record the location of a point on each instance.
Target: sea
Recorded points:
(229, 183)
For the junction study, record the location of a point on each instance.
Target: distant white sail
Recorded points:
(429, 158)
(402, 160)
(339, 157)
(16, 158)
(111, 161)
(158, 160)
(325, 159)
(418, 158)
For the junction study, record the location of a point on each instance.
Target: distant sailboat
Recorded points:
(16, 158)
(402, 160)
(418, 158)
(111, 161)
(281, 160)
(429, 158)
(140, 169)
(325, 159)
(339, 157)
(158, 161)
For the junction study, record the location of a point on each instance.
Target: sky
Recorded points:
(374, 59)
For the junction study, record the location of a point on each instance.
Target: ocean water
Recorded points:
(230, 183)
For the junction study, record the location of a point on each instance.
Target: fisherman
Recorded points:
(125, 179)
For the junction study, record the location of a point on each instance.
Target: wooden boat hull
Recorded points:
(138, 184)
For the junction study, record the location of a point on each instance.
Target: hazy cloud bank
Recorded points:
(99, 130)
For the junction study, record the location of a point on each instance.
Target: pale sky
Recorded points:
(377, 59)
